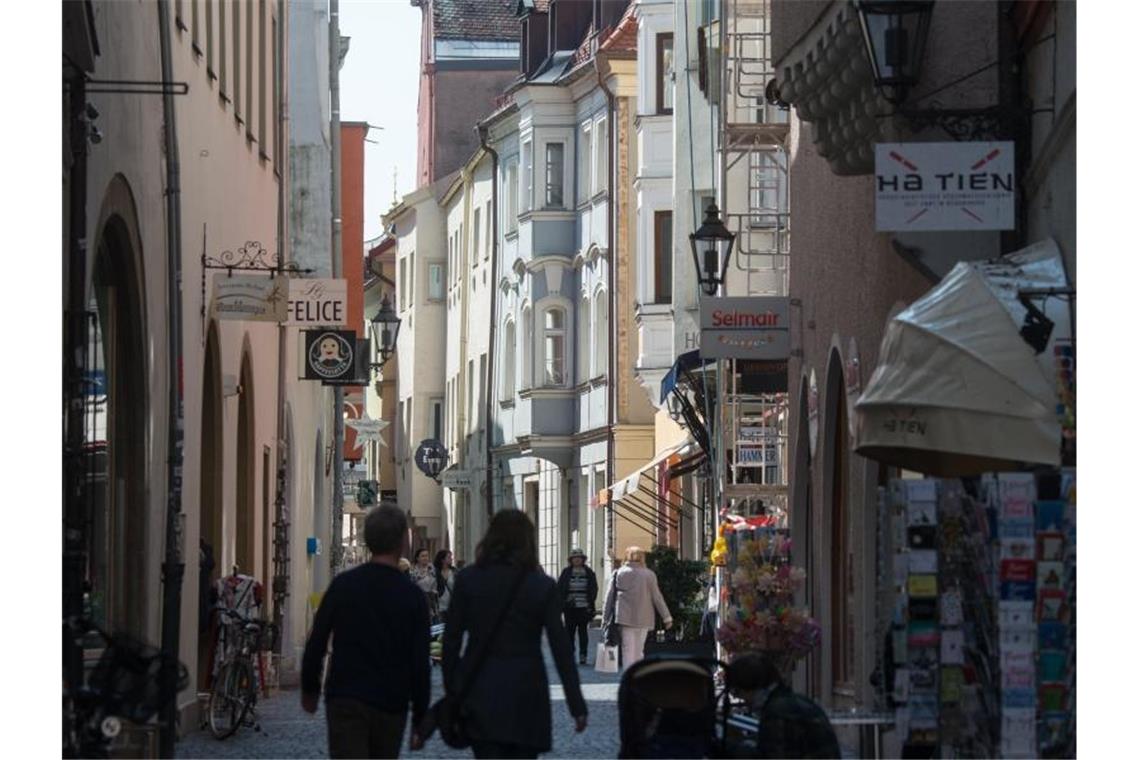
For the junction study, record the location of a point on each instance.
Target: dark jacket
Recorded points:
(591, 588)
(509, 701)
(792, 725)
(379, 622)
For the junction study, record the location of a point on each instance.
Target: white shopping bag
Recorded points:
(607, 661)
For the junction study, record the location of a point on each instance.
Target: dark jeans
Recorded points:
(578, 619)
(501, 750)
(358, 730)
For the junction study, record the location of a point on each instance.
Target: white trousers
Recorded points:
(632, 645)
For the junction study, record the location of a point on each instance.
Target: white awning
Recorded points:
(630, 483)
(957, 390)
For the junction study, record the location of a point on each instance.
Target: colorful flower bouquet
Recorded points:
(763, 616)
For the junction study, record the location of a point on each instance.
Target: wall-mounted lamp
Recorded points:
(712, 250)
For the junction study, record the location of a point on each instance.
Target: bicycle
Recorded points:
(233, 696)
(128, 683)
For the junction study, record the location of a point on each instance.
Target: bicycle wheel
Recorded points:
(229, 699)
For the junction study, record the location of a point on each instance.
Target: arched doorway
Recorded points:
(245, 525)
(320, 516)
(117, 435)
(840, 640)
(803, 527)
(211, 475)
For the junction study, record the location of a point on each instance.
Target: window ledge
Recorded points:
(512, 234)
(582, 387)
(262, 155)
(197, 50)
(222, 96)
(599, 381)
(210, 74)
(507, 404)
(601, 194)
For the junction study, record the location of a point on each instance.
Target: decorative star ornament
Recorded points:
(367, 430)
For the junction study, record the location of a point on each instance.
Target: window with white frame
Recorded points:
(584, 338)
(512, 199)
(509, 369)
(601, 334)
(435, 282)
(487, 248)
(554, 346)
(585, 158)
(602, 154)
(527, 186)
(475, 221)
(527, 348)
(555, 154)
(470, 397)
(403, 283)
(435, 418)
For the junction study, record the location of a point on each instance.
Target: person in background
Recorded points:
(791, 725)
(380, 662)
(444, 581)
(423, 575)
(578, 586)
(630, 601)
(508, 707)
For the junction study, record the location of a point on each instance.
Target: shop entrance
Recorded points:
(245, 525)
(117, 437)
(841, 587)
(211, 469)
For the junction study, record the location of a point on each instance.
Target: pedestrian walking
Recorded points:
(502, 604)
(791, 725)
(423, 575)
(379, 621)
(632, 596)
(444, 581)
(578, 586)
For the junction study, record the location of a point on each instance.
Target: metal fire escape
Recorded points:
(754, 178)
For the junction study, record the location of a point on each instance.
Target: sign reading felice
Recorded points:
(317, 302)
(946, 186)
(754, 327)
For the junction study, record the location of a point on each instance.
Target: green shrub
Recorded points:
(682, 584)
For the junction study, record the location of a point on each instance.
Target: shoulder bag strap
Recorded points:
(479, 656)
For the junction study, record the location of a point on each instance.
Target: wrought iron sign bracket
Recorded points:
(964, 124)
(251, 257)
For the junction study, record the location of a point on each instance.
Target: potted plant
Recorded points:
(683, 585)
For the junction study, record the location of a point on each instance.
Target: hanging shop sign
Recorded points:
(456, 479)
(753, 327)
(944, 186)
(321, 302)
(252, 298)
(758, 376)
(330, 355)
(431, 457)
(757, 446)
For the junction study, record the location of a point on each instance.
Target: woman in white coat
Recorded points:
(630, 601)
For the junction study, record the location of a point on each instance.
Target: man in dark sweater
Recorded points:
(379, 623)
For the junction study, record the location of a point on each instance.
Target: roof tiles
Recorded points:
(475, 20)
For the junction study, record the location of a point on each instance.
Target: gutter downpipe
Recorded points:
(173, 566)
(611, 292)
(335, 549)
(280, 588)
(491, 352)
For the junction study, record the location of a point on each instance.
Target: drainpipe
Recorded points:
(335, 549)
(490, 400)
(173, 566)
(611, 290)
(281, 509)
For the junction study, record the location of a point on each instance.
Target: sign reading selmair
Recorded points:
(755, 327)
(944, 186)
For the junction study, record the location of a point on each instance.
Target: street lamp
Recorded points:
(385, 329)
(712, 250)
(894, 34)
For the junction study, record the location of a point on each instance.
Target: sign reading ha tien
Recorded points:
(946, 186)
(754, 327)
(317, 302)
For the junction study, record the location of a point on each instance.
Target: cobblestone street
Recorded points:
(289, 732)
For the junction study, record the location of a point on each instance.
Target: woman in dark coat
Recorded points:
(508, 707)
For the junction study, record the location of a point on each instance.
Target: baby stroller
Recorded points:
(667, 707)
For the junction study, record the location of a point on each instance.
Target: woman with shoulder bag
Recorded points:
(497, 695)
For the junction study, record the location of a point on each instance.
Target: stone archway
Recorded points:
(245, 521)
(803, 528)
(840, 595)
(211, 478)
(117, 434)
